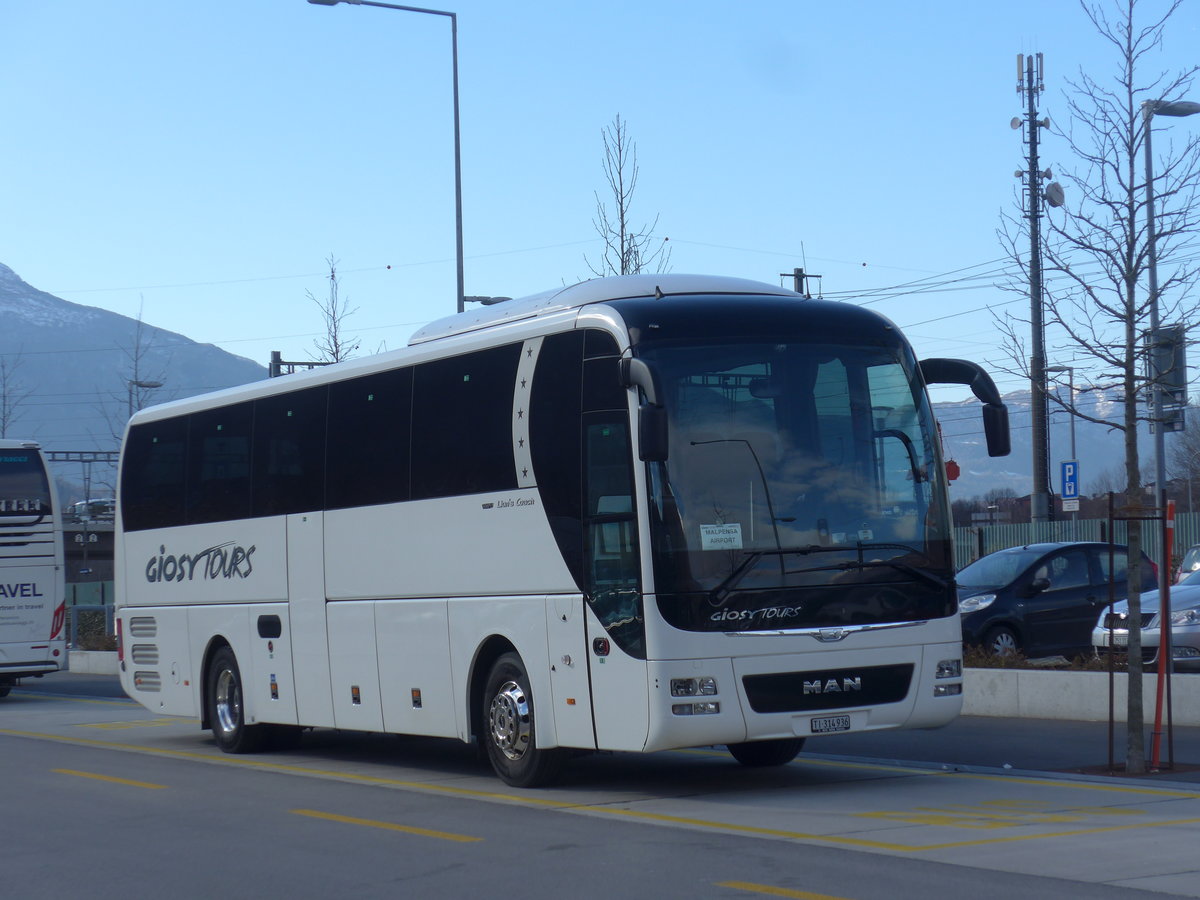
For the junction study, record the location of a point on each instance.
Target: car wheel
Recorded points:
(1001, 641)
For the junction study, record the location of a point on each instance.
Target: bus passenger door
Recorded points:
(306, 603)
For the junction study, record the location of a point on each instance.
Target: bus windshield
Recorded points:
(797, 467)
(24, 488)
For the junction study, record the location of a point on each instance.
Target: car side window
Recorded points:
(1119, 567)
(1067, 570)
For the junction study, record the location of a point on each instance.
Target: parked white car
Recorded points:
(1185, 625)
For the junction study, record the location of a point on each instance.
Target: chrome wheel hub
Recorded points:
(228, 702)
(509, 721)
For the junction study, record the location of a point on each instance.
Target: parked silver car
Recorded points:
(1185, 625)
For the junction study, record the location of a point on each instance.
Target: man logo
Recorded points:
(833, 686)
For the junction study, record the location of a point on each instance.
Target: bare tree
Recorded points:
(627, 250)
(12, 393)
(1096, 252)
(334, 346)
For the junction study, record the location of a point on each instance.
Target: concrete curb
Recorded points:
(1077, 696)
(93, 662)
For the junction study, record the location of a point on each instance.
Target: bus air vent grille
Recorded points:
(143, 627)
(147, 681)
(144, 654)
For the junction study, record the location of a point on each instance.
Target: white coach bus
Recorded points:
(638, 513)
(33, 611)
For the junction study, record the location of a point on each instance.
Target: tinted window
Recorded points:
(153, 475)
(289, 453)
(219, 464)
(368, 444)
(462, 424)
(554, 432)
(1065, 571)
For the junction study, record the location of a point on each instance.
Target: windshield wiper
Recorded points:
(899, 567)
(719, 595)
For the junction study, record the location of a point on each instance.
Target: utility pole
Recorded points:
(1030, 83)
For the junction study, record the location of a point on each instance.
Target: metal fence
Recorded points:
(975, 541)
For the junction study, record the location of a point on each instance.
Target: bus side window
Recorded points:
(152, 485)
(218, 487)
(289, 452)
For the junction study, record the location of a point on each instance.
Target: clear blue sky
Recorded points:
(199, 161)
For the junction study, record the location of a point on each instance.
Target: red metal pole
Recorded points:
(1164, 634)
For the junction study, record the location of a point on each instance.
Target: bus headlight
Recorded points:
(947, 690)
(710, 708)
(692, 687)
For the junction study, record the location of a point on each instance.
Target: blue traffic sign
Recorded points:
(1070, 479)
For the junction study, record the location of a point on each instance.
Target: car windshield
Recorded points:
(997, 569)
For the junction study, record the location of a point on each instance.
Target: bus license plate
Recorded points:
(828, 724)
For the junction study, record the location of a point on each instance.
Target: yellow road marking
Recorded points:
(66, 698)
(110, 778)
(775, 891)
(525, 800)
(996, 814)
(156, 722)
(389, 826)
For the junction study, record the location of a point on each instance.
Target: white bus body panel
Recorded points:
(469, 546)
(28, 595)
(354, 666)
(620, 703)
(158, 670)
(267, 684)
(570, 694)
(413, 646)
(309, 636)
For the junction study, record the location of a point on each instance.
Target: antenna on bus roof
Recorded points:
(658, 294)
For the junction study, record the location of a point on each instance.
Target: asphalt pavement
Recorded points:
(1091, 749)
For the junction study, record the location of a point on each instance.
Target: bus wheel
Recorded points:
(6, 685)
(758, 754)
(225, 711)
(509, 728)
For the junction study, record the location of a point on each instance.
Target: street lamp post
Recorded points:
(1150, 109)
(144, 385)
(458, 235)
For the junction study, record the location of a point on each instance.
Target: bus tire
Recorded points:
(6, 686)
(226, 711)
(759, 754)
(508, 728)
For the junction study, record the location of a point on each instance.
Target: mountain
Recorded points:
(1099, 449)
(68, 367)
